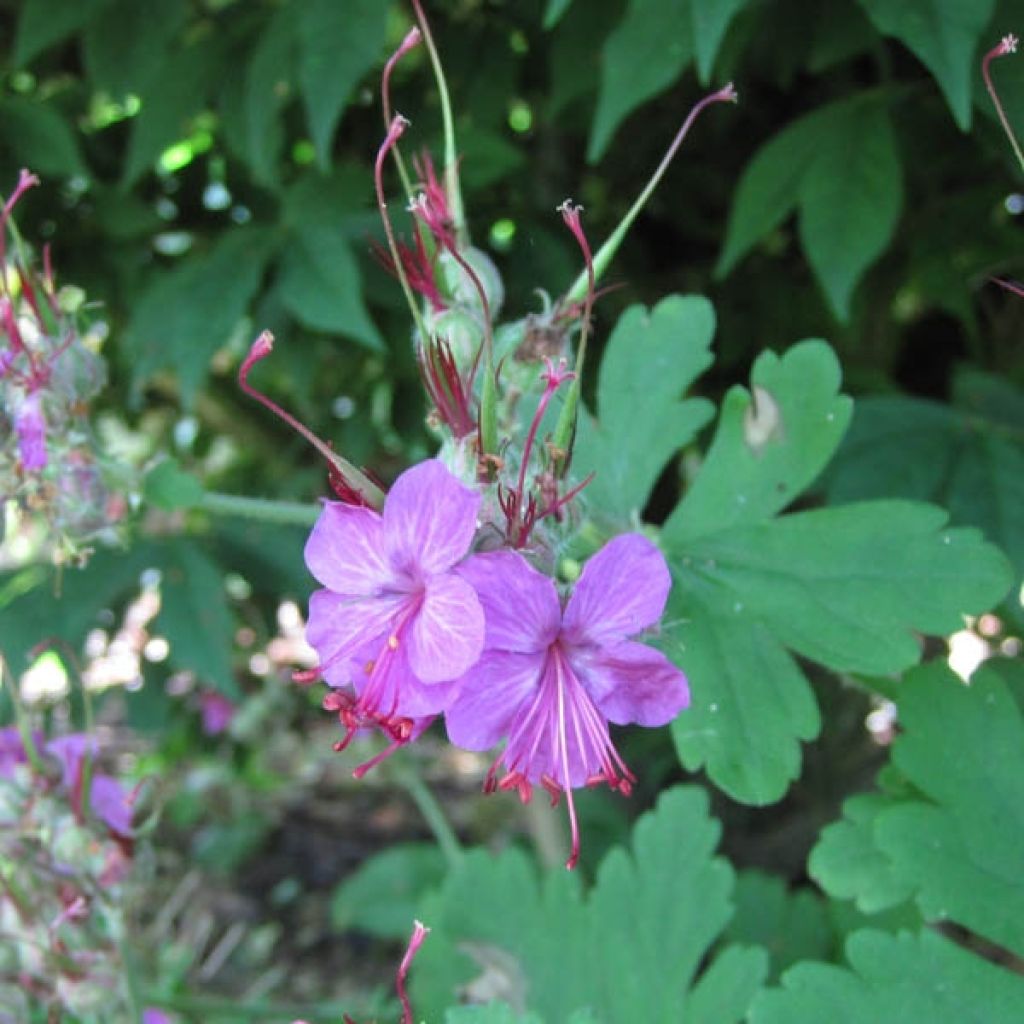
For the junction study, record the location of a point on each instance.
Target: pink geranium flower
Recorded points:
(395, 626)
(550, 681)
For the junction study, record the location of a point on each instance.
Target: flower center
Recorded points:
(375, 703)
(559, 735)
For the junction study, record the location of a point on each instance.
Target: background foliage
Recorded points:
(208, 174)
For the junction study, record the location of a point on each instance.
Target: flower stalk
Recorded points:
(1005, 46)
(604, 255)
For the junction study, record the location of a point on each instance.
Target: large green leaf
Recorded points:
(189, 312)
(750, 703)
(953, 841)
(652, 46)
(632, 950)
(850, 200)
(840, 166)
(850, 586)
(944, 34)
(845, 586)
(968, 458)
(338, 44)
(652, 357)
(320, 285)
(912, 979)
(319, 281)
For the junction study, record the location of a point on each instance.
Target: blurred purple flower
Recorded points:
(109, 800)
(12, 751)
(394, 622)
(151, 1015)
(550, 681)
(216, 710)
(30, 426)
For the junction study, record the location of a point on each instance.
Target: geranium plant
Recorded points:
(577, 579)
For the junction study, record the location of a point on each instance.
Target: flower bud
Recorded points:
(461, 330)
(460, 286)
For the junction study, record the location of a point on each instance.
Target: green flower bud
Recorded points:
(460, 286)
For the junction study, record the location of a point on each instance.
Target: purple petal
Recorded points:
(345, 551)
(622, 590)
(30, 426)
(216, 711)
(429, 520)
(70, 751)
(12, 752)
(111, 803)
(447, 634)
(632, 682)
(493, 692)
(520, 604)
(340, 627)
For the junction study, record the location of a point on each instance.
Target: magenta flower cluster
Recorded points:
(437, 598)
(412, 623)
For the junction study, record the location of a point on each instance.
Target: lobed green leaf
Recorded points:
(651, 359)
(952, 841)
(908, 978)
(631, 950)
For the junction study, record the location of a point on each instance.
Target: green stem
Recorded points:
(1006, 46)
(428, 805)
(286, 513)
(451, 156)
(607, 251)
(548, 840)
(131, 976)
